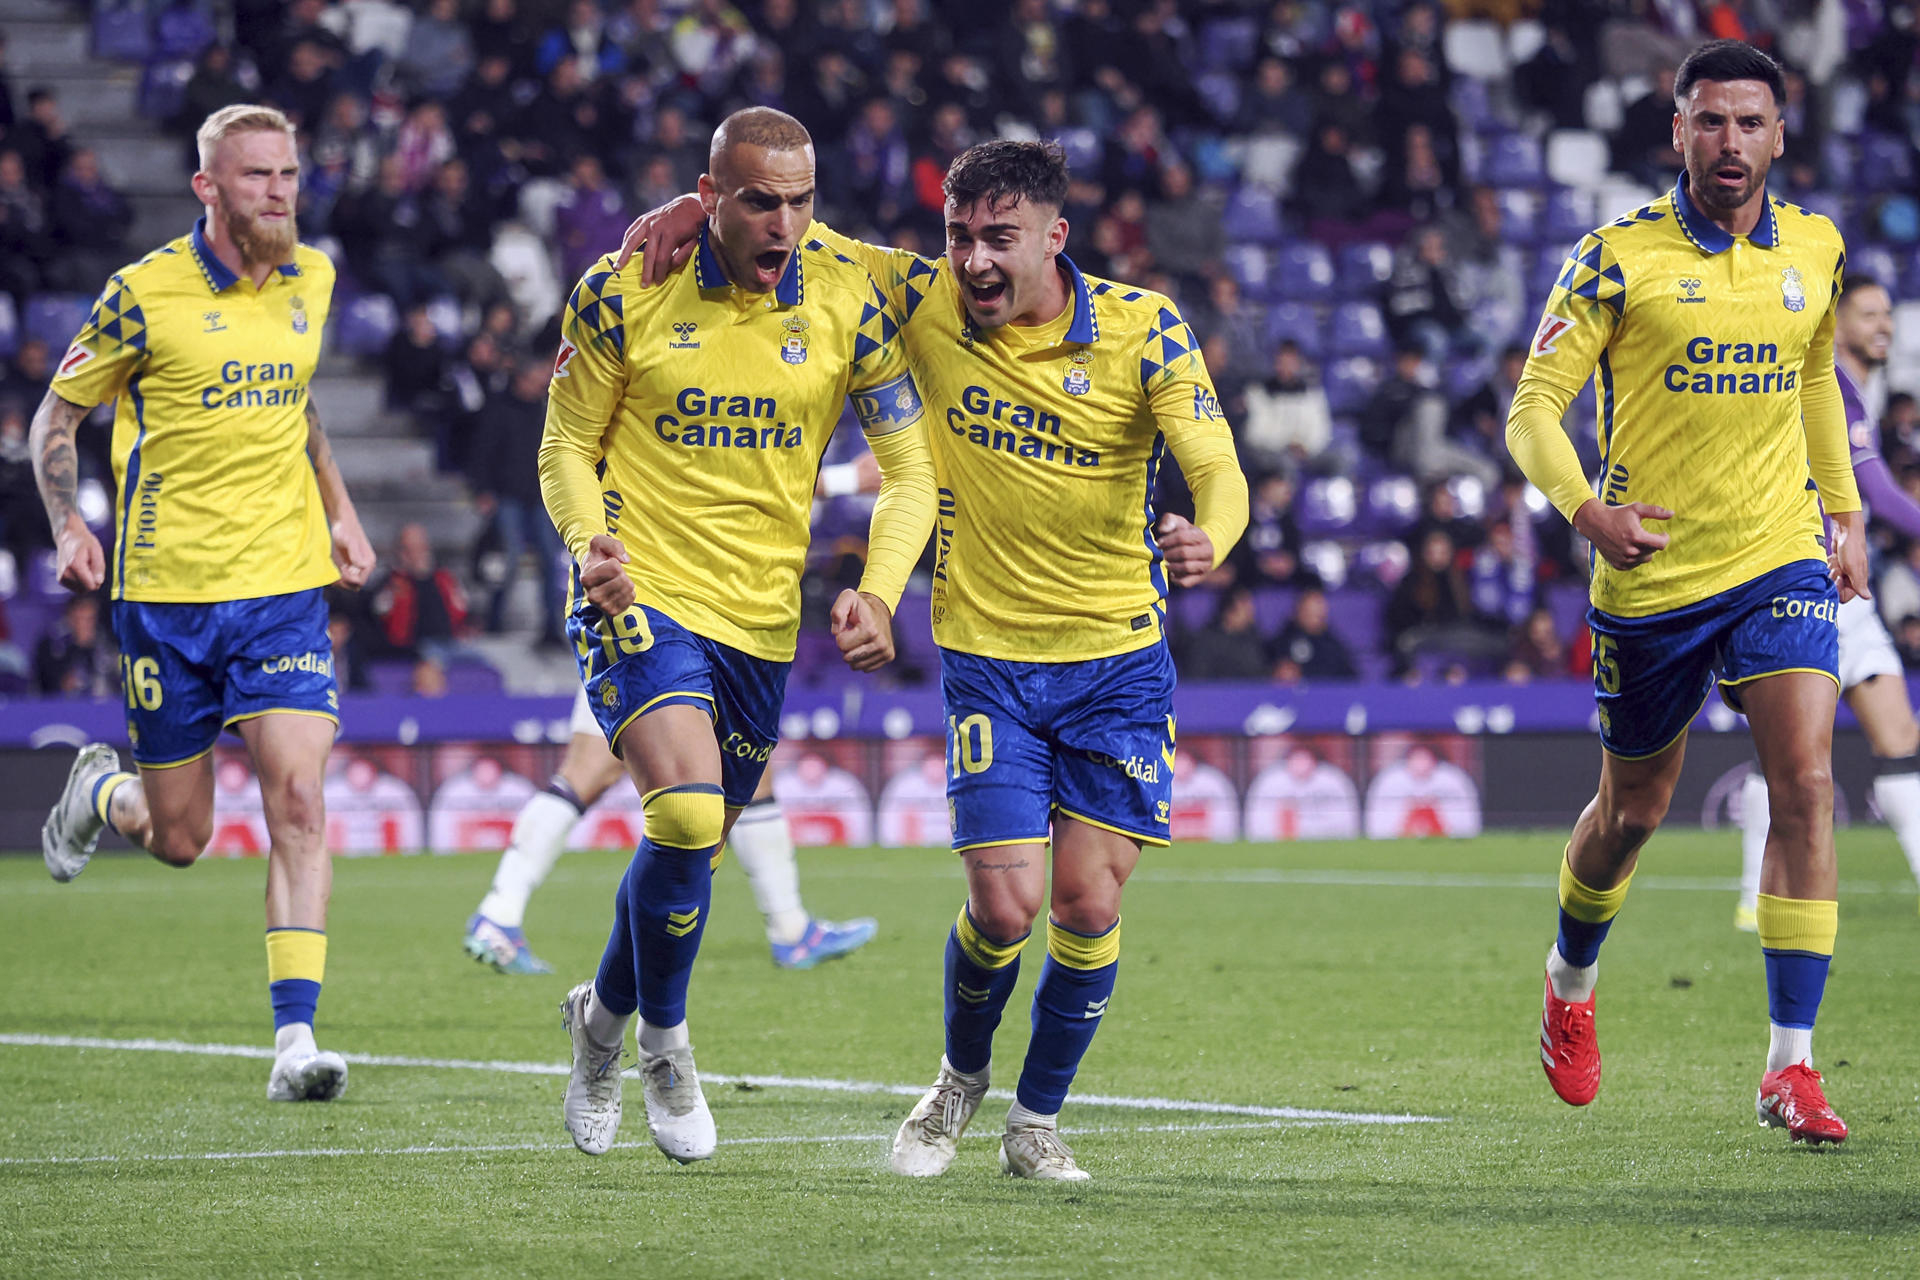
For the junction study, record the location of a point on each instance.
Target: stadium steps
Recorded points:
(96, 93)
(137, 158)
(159, 218)
(42, 46)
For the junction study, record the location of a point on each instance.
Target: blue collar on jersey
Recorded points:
(215, 271)
(1710, 238)
(1086, 325)
(791, 291)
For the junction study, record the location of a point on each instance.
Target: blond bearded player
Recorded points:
(685, 427)
(232, 516)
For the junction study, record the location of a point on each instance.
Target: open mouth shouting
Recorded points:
(770, 265)
(1730, 176)
(986, 293)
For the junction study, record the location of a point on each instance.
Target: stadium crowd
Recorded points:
(1358, 207)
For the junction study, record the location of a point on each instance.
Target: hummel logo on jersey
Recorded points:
(684, 330)
(1097, 1007)
(213, 322)
(1690, 290)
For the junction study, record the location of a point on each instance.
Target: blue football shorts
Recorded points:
(642, 660)
(1651, 675)
(191, 670)
(1092, 740)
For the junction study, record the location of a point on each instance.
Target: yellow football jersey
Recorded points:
(706, 409)
(1700, 343)
(217, 495)
(1047, 441)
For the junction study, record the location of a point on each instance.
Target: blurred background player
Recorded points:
(233, 517)
(761, 841)
(1718, 402)
(1061, 395)
(685, 428)
(1871, 677)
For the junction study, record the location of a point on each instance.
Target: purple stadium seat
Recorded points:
(1193, 608)
(1472, 106)
(1252, 216)
(1328, 559)
(1886, 163)
(1303, 272)
(915, 615)
(1350, 383)
(121, 33)
(1384, 562)
(1568, 215)
(1354, 614)
(1220, 92)
(1392, 503)
(1514, 160)
(1909, 290)
(390, 676)
(1327, 507)
(55, 318)
(9, 327)
(1520, 220)
(1363, 270)
(467, 677)
(1229, 43)
(1273, 607)
(1357, 330)
(182, 31)
(1247, 264)
(1469, 495)
(1465, 374)
(1297, 321)
(1875, 260)
(1549, 260)
(1837, 164)
(366, 325)
(1345, 436)
(163, 89)
(1567, 601)
(1082, 147)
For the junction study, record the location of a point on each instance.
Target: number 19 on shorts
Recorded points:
(969, 744)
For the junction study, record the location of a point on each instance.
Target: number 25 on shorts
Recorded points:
(970, 740)
(1606, 663)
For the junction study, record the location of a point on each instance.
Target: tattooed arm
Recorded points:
(82, 564)
(352, 553)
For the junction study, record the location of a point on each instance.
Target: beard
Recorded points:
(1705, 191)
(261, 243)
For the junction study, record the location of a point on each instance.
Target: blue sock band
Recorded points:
(976, 994)
(1795, 982)
(1580, 940)
(615, 981)
(668, 892)
(294, 1000)
(1067, 1008)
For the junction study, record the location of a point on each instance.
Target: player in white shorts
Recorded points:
(1871, 677)
(760, 841)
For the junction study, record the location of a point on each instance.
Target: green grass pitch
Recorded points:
(1399, 979)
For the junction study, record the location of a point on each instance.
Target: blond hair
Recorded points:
(241, 117)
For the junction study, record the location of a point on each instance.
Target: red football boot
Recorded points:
(1791, 1099)
(1568, 1049)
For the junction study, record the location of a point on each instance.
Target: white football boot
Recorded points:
(676, 1109)
(71, 831)
(592, 1105)
(306, 1074)
(1036, 1151)
(925, 1145)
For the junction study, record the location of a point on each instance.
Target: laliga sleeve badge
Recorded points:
(1079, 381)
(793, 348)
(299, 306)
(1793, 293)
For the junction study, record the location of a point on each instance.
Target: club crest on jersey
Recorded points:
(299, 306)
(1793, 293)
(609, 696)
(684, 340)
(1079, 381)
(793, 348)
(1689, 290)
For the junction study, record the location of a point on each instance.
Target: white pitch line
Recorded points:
(815, 1084)
(491, 1148)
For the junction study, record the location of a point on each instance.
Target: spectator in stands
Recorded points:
(1327, 195)
(1416, 188)
(1440, 511)
(581, 39)
(1501, 575)
(1431, 611)
(417, 381)
(874, 175)
(1185, 235)
(41, 139)
(420, 608)
(1900, 424)
(589, 219)
(1308, 648)
(212, 86)
(1642, 147)
(1268, 553)
(1405, 424)
(439, 51)
(6, 90)
(26, 247)
(307, 86)
(1227, 315)
(1287, 425)
(1275, 103)
(1556, 77)
(506, 483)
(1482, 416)
(1898, 590)
(1538, 653)
(1415, 98)
(25, 378)
(1907, 640)
(1423, 296)
(1230, 648)
(75, 658)
(346, 635)
(387, 237)
(423, 145)
(458, 230)
(711, 44)
(90, 221)
(23, 520)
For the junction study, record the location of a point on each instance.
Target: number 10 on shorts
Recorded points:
(970, 744)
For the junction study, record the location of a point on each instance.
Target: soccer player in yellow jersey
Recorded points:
(232, 516)
(1054, 397)
(685, 426)
(1707, 319)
